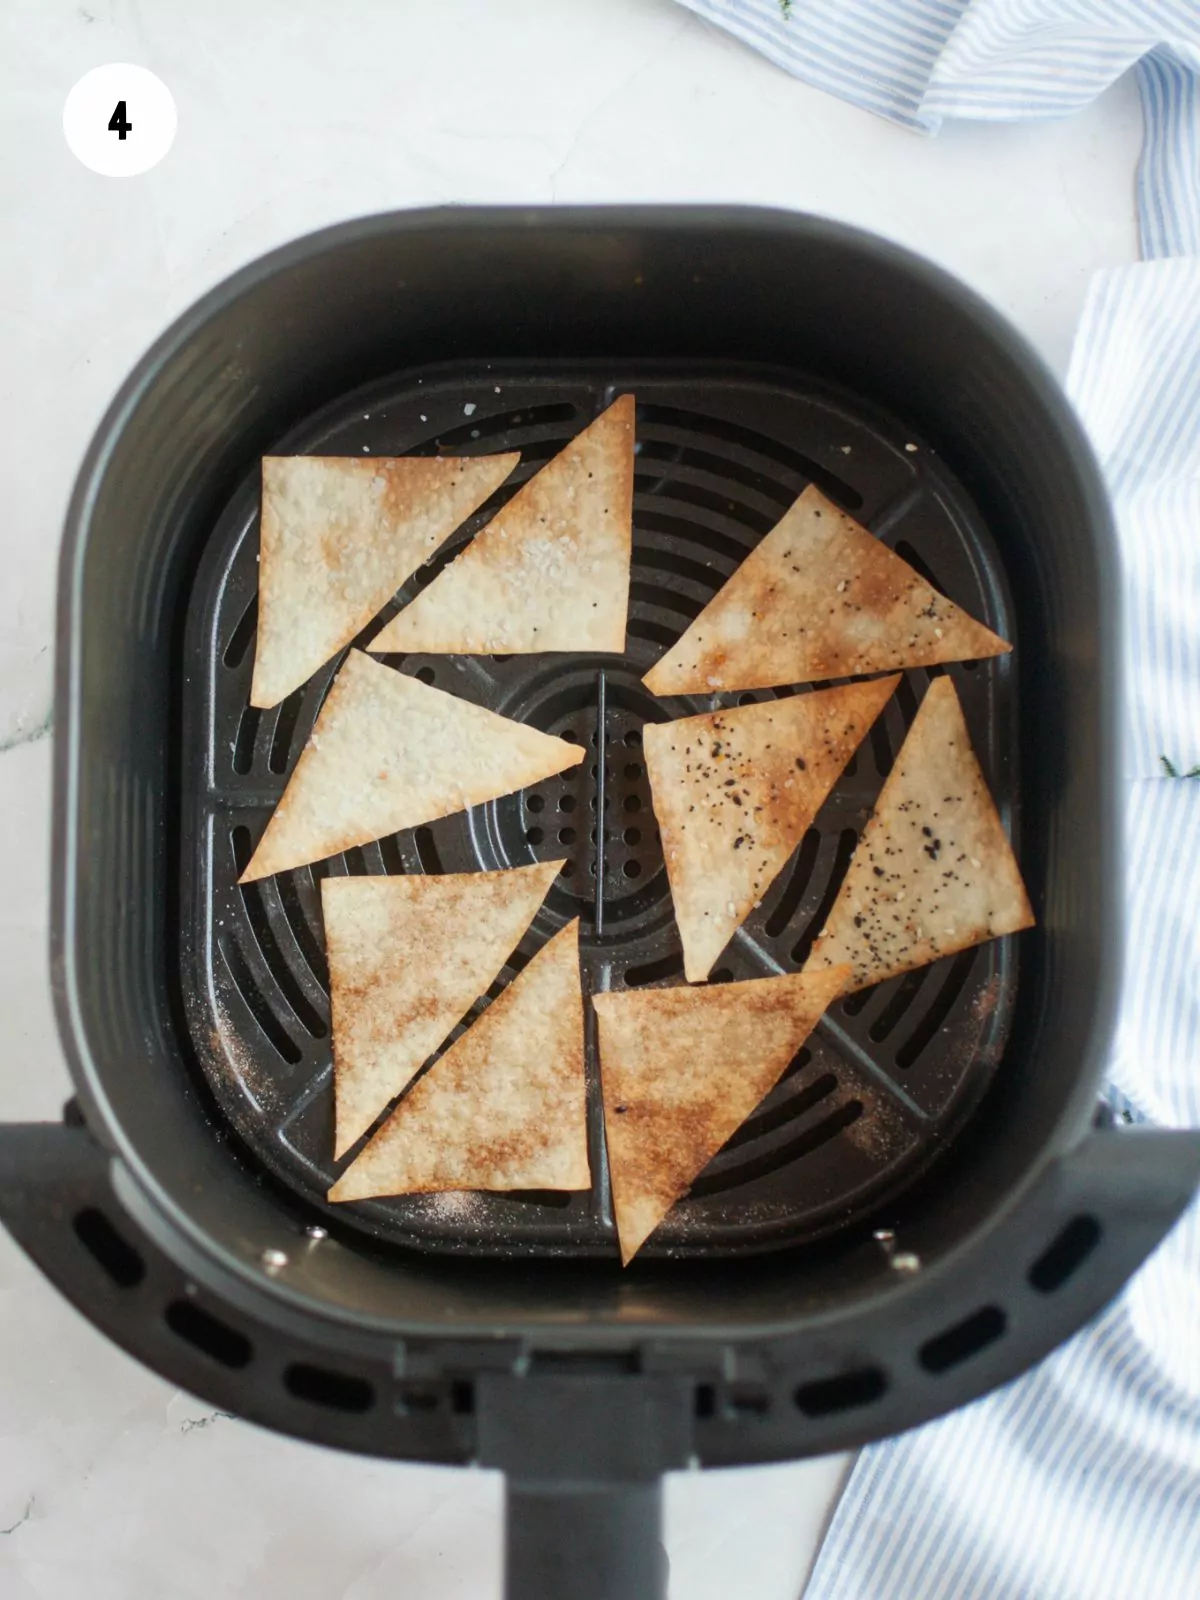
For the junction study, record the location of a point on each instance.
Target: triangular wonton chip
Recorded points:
(819, 597)
(933, 872)
(339, 536)
(734, 793)
(551, 569)
(389, 752)
(408, 956)
(505, 1107)
(681, 1071)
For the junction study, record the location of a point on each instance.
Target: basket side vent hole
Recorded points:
(742, 1404)
(208, 1334)
(964, 1340)
(848, 1391)
(335, 1391)
(416, 1399)
(108, 1249)
(1065, 1254)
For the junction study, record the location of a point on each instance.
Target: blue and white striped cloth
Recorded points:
(1080, 1481)
(920, 61)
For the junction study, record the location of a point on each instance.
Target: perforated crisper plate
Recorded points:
(889, 1075)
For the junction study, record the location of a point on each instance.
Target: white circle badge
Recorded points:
(120, 120)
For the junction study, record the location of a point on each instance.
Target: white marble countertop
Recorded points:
(293, 114)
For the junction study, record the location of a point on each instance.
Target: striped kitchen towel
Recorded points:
(920, 61)
(1081, 1480)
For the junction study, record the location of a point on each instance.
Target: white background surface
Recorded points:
(293, 114)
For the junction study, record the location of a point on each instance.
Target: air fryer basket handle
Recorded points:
(584, 1450)
(584, 1542)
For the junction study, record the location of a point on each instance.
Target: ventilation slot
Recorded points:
(285, 726)
(742, 1404)
(847, 840)
(310, 947)
(845, 1393)
(108, 1249)
(389, 853)
(724, 468)
(1066, 1253)
(695, 424)
(243, 745)
(680, 567)
(239, 639)
(427, 851)
(243, 980)
(881, 746)
(653, 594)
(779, 1116)
(356, 862)
(653, 632)
(725, 506)
(669, 966)
(260, 921)
(556, 1199)
(334, 1391)
(416, 1400)
(706, 1401)
(906, 552)
(692, 533)
(804, 1144)
(930, 1024)
(462, 1398)
(964, 1340)
(484, 427)
(906, 700)
(908, 990)
(208, 1334)
(789, 900)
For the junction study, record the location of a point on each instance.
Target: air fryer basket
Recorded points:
(925, 1207)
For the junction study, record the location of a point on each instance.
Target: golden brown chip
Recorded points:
(933, 872)
(407, 957)
(339, 536)
(819, 597)
(681, 1071)
(505, 1107)
(551, 570)
(734, 793)
(389, 752)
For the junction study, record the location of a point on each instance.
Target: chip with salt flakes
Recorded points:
(551, 569)
(682, 1069)
(338, 537)
(734, 793)
(505, 1107)
(389, 752)
(819, 597)
(408, 956)
(933, 872)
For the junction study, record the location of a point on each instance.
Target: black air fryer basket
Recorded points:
(929, 1201)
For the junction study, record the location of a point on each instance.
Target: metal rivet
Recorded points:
(273, 1260)
(315, 1232)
